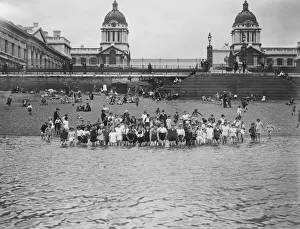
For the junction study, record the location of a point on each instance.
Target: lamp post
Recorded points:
(209, 52)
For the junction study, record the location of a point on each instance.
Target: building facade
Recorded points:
(114, 47)
(28, 46)
(246, 45)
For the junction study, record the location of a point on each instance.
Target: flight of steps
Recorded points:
(273, 87)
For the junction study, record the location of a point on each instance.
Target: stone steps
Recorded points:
(241, 84)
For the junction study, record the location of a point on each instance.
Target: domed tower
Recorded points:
(246, 44)
(245, 23)
(114, 38)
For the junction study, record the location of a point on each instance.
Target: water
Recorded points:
(245, 186)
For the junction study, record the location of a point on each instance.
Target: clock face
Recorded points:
(113, 24)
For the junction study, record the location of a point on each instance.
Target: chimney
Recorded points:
(46, 33)
(35, 24)
(82, 46)
(56, 33)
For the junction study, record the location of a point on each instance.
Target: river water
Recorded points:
(244, 186)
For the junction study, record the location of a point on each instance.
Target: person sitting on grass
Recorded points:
(120, 102)
(24, 103)
(291, 102)
(112, 100)
(44, 101)
(88, 108)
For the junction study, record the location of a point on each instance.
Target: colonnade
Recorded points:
(37, 58)
(115, 36)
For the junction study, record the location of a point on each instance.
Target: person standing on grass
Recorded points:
(298, 118)
(9, 100)
(29, 108)
(294, 110)
(259, 128)
(48, 132)
(252, 132)
(270, 128)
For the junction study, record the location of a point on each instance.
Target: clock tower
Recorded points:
(114, 38)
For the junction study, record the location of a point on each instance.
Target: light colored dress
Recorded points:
(100, 136)
(259, 127)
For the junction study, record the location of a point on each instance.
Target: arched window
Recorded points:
(93, 61)
(279, 61)
(112, 57)
(74, 60)
(290, 62)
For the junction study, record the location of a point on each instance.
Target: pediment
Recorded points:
(109, 49)
(40, 35)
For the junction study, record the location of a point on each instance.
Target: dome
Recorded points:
(115, 15)
(245, 16)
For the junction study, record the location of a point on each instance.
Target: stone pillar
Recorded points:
(38, 60)
(41, 60)
(28, 57)
(33, 58)
(210, 55)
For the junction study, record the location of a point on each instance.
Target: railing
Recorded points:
(101, 70)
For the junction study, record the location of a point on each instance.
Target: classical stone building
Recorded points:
(30, 47)
(246, 45)
(114, 47)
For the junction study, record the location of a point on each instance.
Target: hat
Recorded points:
(57, 109)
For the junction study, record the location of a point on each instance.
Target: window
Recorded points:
(74, 60)
(5, 46)
(12, 49)
(113, 36)
(94, 61)
(83, 60)
(290, 61)
(19, 51)
(108, 36)
(248, 36)
(118, 36)
(279, 61)
(112, 57)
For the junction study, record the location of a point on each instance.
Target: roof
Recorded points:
(115, 16)
(245, 17)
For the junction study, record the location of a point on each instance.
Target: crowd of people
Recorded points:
(159, 129)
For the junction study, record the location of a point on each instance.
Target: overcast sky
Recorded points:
(159, 28)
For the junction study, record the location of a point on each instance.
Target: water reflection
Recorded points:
(246, 186)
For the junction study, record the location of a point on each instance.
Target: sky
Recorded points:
(159, 28)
